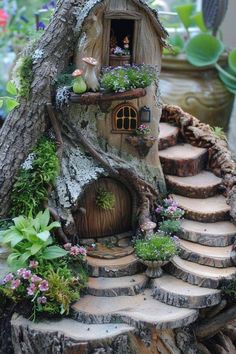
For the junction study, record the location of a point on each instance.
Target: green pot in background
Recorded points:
(197, 91)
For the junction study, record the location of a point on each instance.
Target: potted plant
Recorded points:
(142, 140)
(156, 252)
(193, 74)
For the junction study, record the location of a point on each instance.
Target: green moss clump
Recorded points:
(25, 75)
(105, 199)
(34, 178)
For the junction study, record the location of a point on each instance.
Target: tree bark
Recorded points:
(24, 126)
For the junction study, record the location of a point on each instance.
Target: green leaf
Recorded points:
(13, 257)
(21, 222)
(10, 236)
(199, 21)
(53, 225)
(35, 248)
(11, 103)
(177, 44)
(11, 88)
(227, 78)
(1, 103)
(232, 60)
(185, 13)
(44, 235)
(203, 50)
(24, 257)
(53, 252)
(43, 218)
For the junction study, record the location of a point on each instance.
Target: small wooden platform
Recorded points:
(110, 252)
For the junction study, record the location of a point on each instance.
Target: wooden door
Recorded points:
(97, 222)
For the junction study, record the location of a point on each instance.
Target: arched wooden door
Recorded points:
(97, 222)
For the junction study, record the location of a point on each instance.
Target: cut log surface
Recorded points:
(219, 257)
(129, 285)
(136, 310)
(176, 292)
(183, 160)
(205, 210)
(197, 274)
(113, 267)
(218, 234)
(74, 330)
(203, 185)
(168, 136)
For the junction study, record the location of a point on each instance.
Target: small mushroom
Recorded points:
(90, 73)
(148, 226)
(79, 85)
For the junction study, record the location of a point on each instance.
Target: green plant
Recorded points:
(105, 199)
(228, 286)
(157, 248)
(7, 102)
(44, 287)
(169, 209)
(25, 76)
(169, 227)
(219, 133)
(204, 49)
(120, 79)
(37, 173)
(143, 130)
(30, 238)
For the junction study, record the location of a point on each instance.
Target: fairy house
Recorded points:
(99, 154)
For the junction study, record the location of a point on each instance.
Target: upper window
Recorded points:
(125, 118)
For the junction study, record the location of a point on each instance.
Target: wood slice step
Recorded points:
(219, 257)
(203, 185)
(129, 285)
(178, 293)
(183, 160)
(218, 234)
(116, 268)
(102, 251)
(197, 274)
(137, 310)
(205, 210)
(69, 328)
(168, 136)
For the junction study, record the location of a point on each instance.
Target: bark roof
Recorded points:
(153, 15)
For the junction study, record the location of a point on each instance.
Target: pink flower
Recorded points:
(21, 271)
(82, 251)
(159, 210)
(31, 289)
(9, 277)
(15, 284)
(42, 300)
(43, 286)
(35, 279)
(26, 274)
(33, 264)
(74, 251)
(3, 18)
(67, 246)
(172, 209)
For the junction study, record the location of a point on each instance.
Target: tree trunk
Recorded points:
(24, 126)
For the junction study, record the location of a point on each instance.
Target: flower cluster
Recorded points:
(127, 77)
(76, 251)
(143, 130)
(119, 51)
(28, 163)
(3, 18)
(25, 282)
(169, 210)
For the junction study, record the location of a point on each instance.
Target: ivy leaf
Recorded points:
(11, 103)
(11, 88)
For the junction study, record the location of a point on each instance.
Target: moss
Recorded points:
(105, 199)
(25, 73)
(38, 172)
